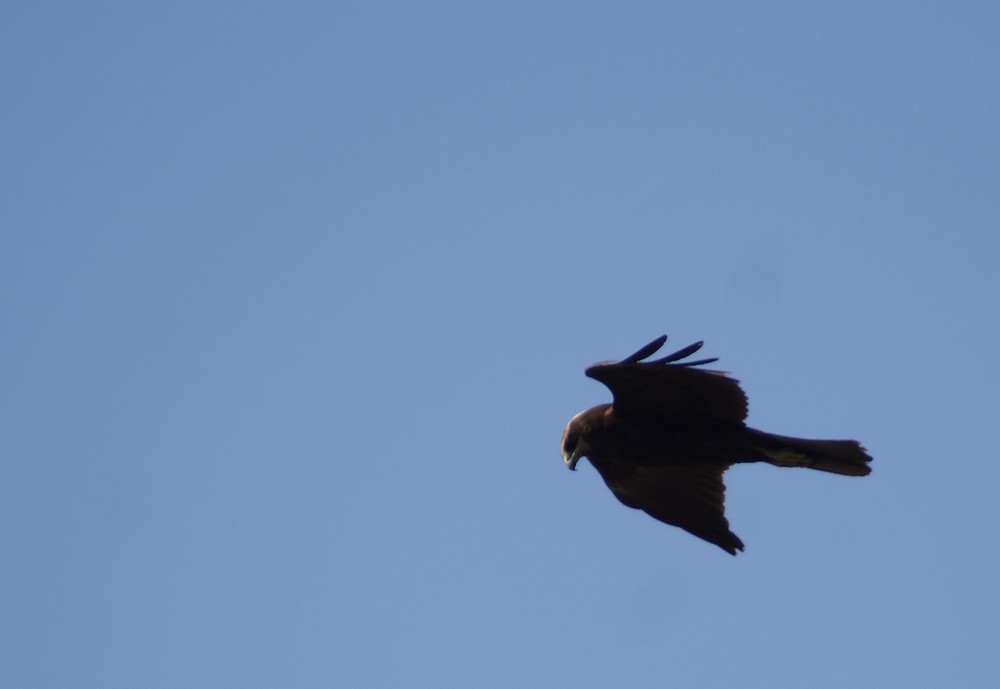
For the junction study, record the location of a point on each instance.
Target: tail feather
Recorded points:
(845, 457)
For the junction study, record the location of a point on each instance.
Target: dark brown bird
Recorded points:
(672, 430)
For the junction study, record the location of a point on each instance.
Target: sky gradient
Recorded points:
(296, 298)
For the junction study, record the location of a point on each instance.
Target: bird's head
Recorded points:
(574, 440)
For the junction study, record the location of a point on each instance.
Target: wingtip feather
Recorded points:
(646, 351)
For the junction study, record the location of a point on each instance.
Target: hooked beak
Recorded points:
(572, 459)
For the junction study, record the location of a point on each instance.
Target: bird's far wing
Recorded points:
(668, 386)
(691, 497)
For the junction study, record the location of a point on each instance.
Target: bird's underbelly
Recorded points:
(673, 442)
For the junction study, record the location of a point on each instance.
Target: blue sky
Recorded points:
(295, 301)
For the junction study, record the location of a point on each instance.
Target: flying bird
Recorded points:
(673, 429)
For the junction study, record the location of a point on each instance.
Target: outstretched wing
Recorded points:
(667, 386)
(691, 497)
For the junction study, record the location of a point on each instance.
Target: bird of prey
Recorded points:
(671, 431)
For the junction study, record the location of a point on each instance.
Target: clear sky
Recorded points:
(296, 298)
